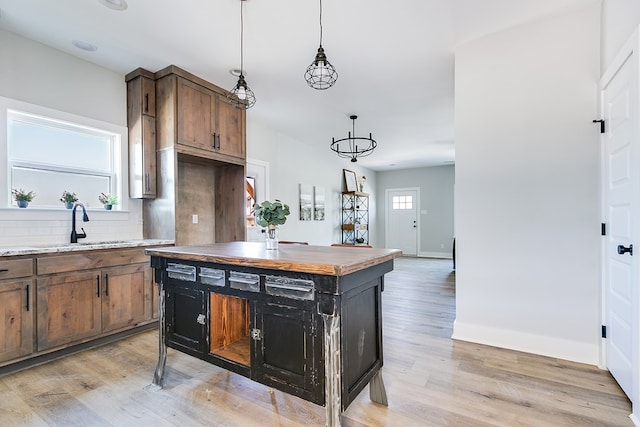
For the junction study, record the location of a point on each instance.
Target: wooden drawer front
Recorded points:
(90, 260)
(16, 268)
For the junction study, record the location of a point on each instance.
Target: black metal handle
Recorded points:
(106, 285)
(622, 250)
(27, 297)
(4, 270)
(98, 285)
(146, 102)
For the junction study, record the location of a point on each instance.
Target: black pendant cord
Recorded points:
(241, 37)
(320, 23)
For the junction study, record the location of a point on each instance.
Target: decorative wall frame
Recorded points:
(350, 180)
(306, 202)
(318, 203)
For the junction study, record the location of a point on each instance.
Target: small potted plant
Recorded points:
(68, 198)
(108, 200)
(22, 197)
(271, 215)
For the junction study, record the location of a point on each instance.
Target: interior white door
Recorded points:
(402, 220)
(621, 188)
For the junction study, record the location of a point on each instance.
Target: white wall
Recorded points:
(527, 208)
(619, 19)
(35, 74)
(293, 162)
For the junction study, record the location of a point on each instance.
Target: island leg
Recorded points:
(158, 377)
(333, 369)
(377, 392)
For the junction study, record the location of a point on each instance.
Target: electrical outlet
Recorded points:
(194, 218)
(441, 245)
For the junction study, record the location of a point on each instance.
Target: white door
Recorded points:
(621, 251)
(401, 228)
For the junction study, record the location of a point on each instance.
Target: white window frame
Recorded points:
(120, 149)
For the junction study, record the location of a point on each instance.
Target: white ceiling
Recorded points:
(395, 59)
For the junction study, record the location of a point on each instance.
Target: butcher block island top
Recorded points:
(325, 260)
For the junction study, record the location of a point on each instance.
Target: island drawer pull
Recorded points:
(244, 281)
(289, 288)
(212, 276)
(181, 272)
(4, 270)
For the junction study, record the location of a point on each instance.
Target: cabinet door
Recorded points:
(288, 351)
(148, 97)
(125, 297)
(230, 126)
(195, 115)
(68, 308)
(186, 314)
(142, 137)
(16, 319)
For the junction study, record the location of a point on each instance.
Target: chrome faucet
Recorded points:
(85, 218)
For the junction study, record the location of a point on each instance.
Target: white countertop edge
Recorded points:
(76, 247)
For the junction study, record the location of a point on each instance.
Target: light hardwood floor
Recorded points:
(430, 379)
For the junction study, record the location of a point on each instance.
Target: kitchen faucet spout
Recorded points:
(85, 218)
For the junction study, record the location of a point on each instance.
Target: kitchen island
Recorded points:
(305, 320)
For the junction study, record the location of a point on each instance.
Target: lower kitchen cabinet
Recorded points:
(126, 299)
(68, 308)
(78, 306)
(16, 318)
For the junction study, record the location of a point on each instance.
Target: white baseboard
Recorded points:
(443, 255)
(528, 343)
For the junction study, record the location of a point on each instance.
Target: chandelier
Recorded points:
(321, 74)
(353, 146)
(241, 96)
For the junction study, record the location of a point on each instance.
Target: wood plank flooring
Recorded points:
(430, 379)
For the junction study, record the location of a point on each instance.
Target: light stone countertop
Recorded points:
(76, 247)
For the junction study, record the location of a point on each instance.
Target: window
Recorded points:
(402, 202)
(49, 156)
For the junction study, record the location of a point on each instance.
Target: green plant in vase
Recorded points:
(22, 197)
(271, 215)
(108, 200)
(69, 198)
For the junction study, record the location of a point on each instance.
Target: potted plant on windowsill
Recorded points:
(22, 197)
(271, 215)
(68, 198)
(108, 200)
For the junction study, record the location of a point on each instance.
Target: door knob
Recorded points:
(622, 250)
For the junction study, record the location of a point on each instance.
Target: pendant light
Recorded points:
(321, 74)
(350, 148)
(241, 96)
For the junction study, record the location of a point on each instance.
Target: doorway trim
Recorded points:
(387, 193)
(631, 49)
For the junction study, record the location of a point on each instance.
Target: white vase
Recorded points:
(271, 237)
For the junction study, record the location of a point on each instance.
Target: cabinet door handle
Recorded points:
(4, 270)
(98, 285)
(146, 102)
(106, 285)
(146, 182)
(28, 294)
(213, 140)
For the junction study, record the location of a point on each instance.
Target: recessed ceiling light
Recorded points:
(80, 44)
(114, 4)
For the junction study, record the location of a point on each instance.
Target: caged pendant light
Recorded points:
(321, 74)
(350, 148)
(241, 96)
